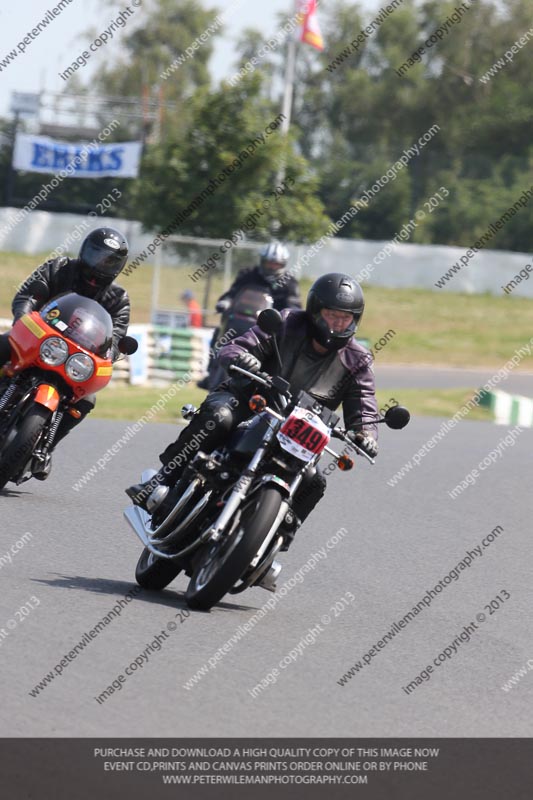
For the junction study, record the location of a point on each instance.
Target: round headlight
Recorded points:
(79, 367)
(54, 351)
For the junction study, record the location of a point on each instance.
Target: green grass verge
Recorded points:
(131, 402)
(435, 402)
(429, 327)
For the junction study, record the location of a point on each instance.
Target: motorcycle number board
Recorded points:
(303, 434)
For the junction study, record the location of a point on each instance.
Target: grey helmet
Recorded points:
(273, 260)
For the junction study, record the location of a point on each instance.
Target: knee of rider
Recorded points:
(221, 415)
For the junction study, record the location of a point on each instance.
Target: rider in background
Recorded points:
(270, 274)
(103, 254)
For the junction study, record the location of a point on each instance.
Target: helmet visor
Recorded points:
(272, 267)
(337, 321)
(100, 263)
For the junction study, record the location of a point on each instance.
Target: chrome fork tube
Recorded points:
(236, 497)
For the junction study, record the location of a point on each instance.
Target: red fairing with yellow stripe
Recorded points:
(47, 396)
(26, 337)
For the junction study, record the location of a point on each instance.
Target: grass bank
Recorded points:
(131, 402)
(428, 327)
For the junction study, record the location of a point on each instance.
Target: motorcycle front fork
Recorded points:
(45, 449)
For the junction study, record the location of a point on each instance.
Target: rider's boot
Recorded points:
(150, 494)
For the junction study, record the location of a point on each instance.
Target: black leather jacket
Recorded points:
(62, 275)
(286, 295)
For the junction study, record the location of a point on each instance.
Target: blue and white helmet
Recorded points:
(273, 261)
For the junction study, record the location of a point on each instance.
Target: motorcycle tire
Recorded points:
(220, 567)
(15, 456)
(155, 573)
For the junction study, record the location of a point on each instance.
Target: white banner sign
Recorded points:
(83, 160)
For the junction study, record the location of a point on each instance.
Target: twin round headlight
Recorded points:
(54, 351)
(79, 367)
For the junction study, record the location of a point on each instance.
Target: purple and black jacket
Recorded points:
(343, 377)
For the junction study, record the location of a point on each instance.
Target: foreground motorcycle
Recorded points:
(59, 355)
(238, 315)
(223, 528)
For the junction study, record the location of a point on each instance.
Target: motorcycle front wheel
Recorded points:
(224, 562)
(155, 573)
(17, 453)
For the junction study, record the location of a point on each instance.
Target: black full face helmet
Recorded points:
(338, 292)
(102, 256)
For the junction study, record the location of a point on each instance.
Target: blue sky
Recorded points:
(63, 39)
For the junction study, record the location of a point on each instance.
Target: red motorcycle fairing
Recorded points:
(89, 336)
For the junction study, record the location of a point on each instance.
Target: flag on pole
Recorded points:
(309, 30)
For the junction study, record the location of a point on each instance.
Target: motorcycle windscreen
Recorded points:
(82, 320)
(250, 301)
(245, 307)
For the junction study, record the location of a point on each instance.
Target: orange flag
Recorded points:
(310, 30)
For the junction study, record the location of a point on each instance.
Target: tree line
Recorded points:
(382, 81)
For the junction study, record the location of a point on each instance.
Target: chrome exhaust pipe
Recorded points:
(136, 517)
(184, 524)
(140, 521)
(268, 581)
(159, 532)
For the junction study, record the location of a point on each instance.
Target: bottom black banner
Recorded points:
(374, 769)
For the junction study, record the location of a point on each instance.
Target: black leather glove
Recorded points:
(249, 362)
(222, 306)
(365, 442)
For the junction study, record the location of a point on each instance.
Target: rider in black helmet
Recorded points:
(319, 356)
(103, 254)
(335, 292)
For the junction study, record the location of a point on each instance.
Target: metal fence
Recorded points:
(402, 266)
(206, 267)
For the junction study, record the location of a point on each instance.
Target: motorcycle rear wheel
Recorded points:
(224, 562)
(16, 454)
(155, 573)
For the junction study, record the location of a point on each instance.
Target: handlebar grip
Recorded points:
(338, 433)
(261, 376)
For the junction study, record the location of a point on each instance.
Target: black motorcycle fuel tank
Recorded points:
(248, 436)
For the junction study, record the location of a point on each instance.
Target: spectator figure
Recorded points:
(194, 309)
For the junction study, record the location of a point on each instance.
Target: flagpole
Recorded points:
(286, 108)
(290, 71)
(310, 33)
